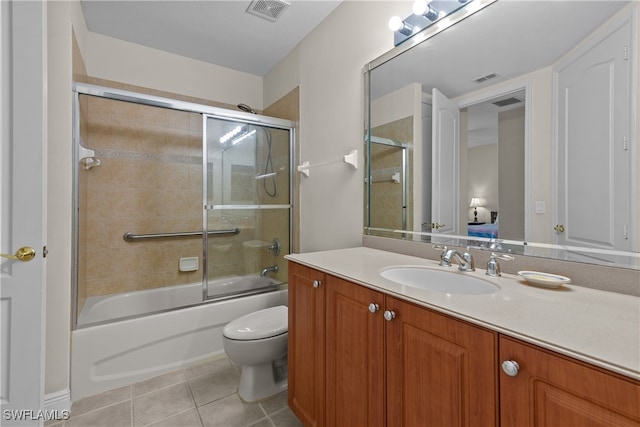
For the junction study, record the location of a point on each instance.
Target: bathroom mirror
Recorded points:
(514, 129)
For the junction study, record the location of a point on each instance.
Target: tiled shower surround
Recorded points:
(150, 181)
(386, 161)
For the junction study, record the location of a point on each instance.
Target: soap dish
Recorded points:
(546, 280)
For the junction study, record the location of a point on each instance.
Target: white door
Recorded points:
(446, 143)
(427, 152)
(22, 153)
(594, 177)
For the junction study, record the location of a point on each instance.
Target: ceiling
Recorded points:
(217, 32)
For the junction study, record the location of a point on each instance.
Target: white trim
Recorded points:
(58, 401)
(513, 86)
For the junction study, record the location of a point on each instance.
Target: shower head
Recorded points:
(246, 108)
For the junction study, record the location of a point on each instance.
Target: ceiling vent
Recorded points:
(485, 78)
(505, 102)
(270, 10)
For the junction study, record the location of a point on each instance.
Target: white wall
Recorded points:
(58, 285)
(328, 65)
(125, 62)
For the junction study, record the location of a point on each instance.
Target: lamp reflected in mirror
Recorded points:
(475, 204)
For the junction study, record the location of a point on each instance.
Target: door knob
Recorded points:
(25, 253)
(559, 228)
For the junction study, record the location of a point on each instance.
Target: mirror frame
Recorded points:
(621, 259)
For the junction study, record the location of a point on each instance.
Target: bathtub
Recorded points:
(100, 309)
(111, 355)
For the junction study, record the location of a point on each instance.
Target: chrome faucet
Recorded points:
(465, 261)
(273, 268)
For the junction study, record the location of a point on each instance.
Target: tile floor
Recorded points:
(203, 395)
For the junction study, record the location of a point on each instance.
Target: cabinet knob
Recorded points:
(510, 367)
(389, 315)
(373, 307)
(317, 283)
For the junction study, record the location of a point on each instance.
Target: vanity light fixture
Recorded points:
(398, 25)
(242, 136)
(233, 132)
(422, 8)
(425, 14)
(475, 204)
(238, 134)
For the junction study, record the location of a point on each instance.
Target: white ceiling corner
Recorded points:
(217, 32)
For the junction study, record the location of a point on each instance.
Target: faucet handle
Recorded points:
(471, 263)
(443, 261)
(493, 266)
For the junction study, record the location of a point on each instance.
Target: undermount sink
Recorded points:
(450, 282)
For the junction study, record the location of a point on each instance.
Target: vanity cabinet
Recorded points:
(386, 361)
(440, 371)
(306, 344)
(548, 389)
(354, 355)
(359, 357)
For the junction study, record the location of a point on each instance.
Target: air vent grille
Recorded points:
(485, 78)
(270, 10)
(505, 102)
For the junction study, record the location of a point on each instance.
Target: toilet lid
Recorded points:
(266, 323)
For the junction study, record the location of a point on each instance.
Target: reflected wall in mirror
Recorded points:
(529, 109)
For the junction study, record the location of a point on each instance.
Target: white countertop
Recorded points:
(602, 328)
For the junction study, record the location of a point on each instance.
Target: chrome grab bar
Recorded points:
(130, 237)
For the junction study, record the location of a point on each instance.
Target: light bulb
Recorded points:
(395, 23)
(420, 7)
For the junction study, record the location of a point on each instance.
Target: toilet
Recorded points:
(258, 343)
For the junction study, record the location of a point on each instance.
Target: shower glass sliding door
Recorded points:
(165, 214)
(247, 200)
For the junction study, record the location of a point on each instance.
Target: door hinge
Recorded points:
(625, 143)
(626, 232)
(45, 251)
(626, 52)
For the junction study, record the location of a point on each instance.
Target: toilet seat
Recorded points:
(261, 324)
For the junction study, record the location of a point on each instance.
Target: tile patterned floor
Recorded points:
(204, 395)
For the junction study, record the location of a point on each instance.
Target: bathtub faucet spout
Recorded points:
(265, 270)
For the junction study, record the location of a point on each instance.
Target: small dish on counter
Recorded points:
(546, 280)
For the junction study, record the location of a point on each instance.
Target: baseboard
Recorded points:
(58, 402)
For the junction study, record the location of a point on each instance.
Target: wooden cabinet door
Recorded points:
(440, 371)
(354, 355)
(306, 344)
(553, 390)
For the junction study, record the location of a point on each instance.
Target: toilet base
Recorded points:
(258, 382)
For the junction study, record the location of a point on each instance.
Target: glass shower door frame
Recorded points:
(248, 119)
